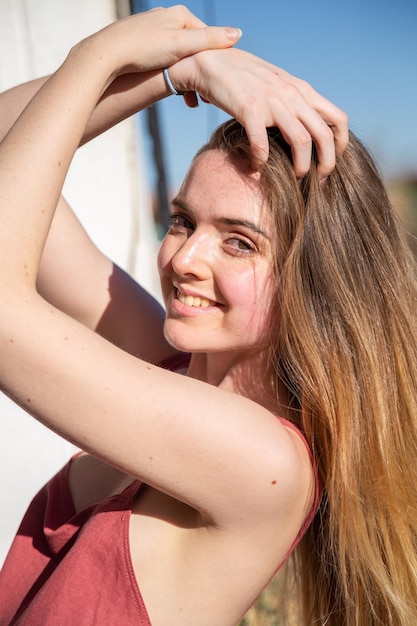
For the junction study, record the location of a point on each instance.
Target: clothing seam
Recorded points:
(128, 563)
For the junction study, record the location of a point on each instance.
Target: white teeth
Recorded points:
(191, 301)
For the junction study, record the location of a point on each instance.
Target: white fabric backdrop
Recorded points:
(106, 187)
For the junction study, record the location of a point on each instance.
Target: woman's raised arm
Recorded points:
(78, 279)
(149, 422)
(74, 275)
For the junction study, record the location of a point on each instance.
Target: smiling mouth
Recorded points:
(203, 303)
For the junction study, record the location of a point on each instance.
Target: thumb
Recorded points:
(209, 38)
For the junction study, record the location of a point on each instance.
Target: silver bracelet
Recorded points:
(169, 84)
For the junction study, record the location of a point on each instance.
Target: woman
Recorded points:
(195, 489)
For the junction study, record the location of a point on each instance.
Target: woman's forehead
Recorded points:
(215, 189)
(215, 176)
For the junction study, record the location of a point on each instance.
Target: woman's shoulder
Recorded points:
(245, 551)
(296, 485)
(308, 475)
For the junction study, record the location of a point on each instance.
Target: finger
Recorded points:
(325, 150)
(303, 125)
(208, 38)
(323, 138)
(258, 138)
(301, 144)
(296, 134)
(334, 117)
(340, 131)
(191, 99)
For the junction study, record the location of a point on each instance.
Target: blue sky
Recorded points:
(361, 54)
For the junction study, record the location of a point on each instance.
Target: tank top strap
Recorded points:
(295, 428)
(317, 482)
(132, 490)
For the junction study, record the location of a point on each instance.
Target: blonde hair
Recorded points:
(344, 342)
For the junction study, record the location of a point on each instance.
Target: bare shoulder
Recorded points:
(283, 474)
(283, 497)
(261, 542)
(289, 495)
(175, 549)
(210, 573)
(303, 474)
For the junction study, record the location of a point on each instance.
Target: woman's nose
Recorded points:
(193, 257)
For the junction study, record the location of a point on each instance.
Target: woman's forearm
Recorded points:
(118, 69)
(42, 141)
(127, 95)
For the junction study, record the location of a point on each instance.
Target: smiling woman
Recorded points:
(216, 252)
(291, 306)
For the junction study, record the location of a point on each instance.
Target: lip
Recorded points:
(184, 290)
(183, 309)
(190, 311)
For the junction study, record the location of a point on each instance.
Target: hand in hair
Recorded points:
(260, 95)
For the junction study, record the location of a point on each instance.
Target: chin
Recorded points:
(181, 340)
(190, 340)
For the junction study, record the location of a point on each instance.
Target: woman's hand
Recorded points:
(202, 61)
(157, 38)
(257, 93)
(261, 95)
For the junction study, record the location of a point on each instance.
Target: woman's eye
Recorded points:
(180, 221)
(241, 245)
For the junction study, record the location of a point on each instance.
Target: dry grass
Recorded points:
(265, 612)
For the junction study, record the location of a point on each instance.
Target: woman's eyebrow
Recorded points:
(245, 223)
(230, 221)
(176, 202)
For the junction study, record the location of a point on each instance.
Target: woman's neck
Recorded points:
(248, 375)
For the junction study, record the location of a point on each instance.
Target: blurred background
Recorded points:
(361, 54)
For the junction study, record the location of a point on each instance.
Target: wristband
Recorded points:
(169, 84)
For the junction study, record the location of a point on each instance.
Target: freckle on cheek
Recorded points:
(273, 482)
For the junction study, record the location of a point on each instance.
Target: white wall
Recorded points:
(105, 186)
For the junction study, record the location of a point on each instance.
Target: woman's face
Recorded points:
(215, 262)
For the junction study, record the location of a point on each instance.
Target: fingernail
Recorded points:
(234, 33)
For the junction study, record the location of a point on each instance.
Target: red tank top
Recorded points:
(66, 568)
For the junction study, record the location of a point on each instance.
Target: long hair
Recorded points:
(344, 341)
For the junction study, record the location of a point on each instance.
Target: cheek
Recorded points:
(250, 296)
(164, 263)
(167, 251)
(163, 257)
(242, 290)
